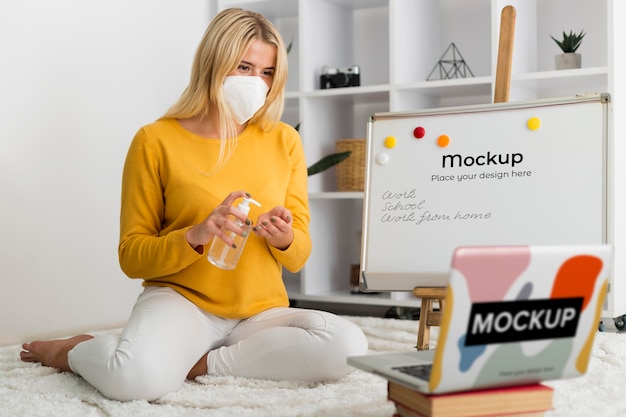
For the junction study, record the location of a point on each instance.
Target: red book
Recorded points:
(483, 403)
(402, 411)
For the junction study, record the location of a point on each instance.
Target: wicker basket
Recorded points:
(351, 171)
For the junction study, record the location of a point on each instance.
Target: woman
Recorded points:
(222, 138)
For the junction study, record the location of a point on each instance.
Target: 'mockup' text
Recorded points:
(457, 160)
(514, 321)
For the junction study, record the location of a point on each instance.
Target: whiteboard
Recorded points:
(506, 173)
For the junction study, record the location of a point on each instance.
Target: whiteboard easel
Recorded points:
(512, 173)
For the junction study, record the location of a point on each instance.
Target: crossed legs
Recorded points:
(168, 339)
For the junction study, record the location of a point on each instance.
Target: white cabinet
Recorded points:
(397, 43)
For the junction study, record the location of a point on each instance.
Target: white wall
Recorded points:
(77, 79)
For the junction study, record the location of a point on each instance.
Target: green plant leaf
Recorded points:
(327, 162)
(570, 42)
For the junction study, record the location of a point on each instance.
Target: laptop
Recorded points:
(513, 315)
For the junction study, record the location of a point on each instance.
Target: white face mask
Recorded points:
(245, 95)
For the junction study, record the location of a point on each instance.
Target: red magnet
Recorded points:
(419, 132)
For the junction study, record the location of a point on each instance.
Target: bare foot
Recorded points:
(52, 353)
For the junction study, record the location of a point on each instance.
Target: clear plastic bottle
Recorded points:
(224, 256)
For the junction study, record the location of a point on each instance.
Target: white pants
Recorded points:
(166, 335)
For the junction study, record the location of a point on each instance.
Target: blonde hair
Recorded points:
(221, 49)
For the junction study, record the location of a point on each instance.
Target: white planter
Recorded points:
(568, 60)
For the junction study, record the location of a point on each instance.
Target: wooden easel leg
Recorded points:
(428, 317)
(423, 331)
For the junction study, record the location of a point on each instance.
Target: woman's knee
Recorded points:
(348, 338)
(344, 339)
(140, 381)
(120, 373)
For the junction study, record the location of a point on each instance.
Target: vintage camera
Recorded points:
(333, 77)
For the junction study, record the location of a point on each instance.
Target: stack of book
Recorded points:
(522, 401)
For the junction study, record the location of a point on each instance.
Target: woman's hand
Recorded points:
(219, 220)
(275, 227)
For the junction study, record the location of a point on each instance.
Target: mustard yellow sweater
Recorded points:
(166, 189)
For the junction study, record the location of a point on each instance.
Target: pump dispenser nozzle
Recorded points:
(244, 206)
(224, 256)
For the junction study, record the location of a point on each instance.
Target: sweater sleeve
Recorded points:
(143, 252)
(296, 200)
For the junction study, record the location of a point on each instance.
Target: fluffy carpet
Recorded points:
(30, 390)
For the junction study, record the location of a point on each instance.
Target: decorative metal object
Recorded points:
(450, 65)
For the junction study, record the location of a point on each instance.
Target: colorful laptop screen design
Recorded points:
(522, 320)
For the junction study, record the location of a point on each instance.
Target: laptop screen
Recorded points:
(520, 314)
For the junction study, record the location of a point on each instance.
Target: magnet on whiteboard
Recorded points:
(382, 158)
(390, 142)
(534, 123)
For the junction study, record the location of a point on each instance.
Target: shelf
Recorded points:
(563, 82)
(337, 195)
(549, 84)
(582, 74)
(347, 297)
(452, 87)
(396, 44)
(351, 94)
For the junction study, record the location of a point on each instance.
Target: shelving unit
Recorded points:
(397, 43)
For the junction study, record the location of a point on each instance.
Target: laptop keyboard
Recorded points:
(418, 371)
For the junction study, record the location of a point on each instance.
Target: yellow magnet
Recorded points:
(390, 142)
(443, 141)
(533, 123)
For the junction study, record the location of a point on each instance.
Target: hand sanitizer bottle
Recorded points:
(224, 256)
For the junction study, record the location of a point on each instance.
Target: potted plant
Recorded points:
(569, 44)
(327, 161)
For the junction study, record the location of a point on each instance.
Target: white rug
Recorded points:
(30, 390)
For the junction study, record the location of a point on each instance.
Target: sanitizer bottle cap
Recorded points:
(244, 206)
